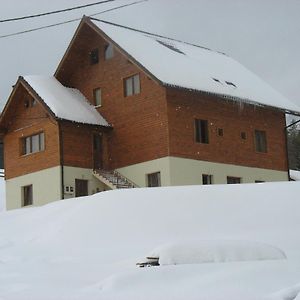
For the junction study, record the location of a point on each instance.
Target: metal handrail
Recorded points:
(128, 180)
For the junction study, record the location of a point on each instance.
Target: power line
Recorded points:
(69, 21)
(55, 11)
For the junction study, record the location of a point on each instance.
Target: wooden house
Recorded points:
(127, 108)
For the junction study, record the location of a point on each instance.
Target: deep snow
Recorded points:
(87, 248)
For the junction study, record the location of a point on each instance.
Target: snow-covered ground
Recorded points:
(213, 242)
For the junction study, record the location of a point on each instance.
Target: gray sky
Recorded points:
(263, 35)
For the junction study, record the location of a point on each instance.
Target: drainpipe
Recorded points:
(286, 145)
(61, 154)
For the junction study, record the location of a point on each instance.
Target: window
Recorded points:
(132, 85)
(97, 97)
(33, 143)
(108, 51)
(233, 180)
(207, 179)
(94, 56)
(201, 131)
(153, 179)
(220, 131)
(27, 196)
(260, 141)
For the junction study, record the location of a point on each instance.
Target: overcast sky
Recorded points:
(263, 35)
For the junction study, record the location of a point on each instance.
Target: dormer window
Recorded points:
(94, 56)
(108, 51)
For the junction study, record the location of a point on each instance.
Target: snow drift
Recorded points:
(87, 248)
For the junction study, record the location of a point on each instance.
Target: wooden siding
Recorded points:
(233, 118)
(139, 121)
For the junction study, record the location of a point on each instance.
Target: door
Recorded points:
(81, 187)
(97, 151)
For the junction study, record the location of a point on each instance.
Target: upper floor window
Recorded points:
(260, 141)
(108, 51)
(33, 143)
(97, 97)
(94, 56)
(132, 85)
(201, 131)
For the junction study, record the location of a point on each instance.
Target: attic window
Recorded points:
(170, 46)
(108, 51)
(94, 56)
(230, 83)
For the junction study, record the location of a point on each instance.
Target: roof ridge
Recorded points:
(154, 34)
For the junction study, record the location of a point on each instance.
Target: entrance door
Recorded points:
(81, 187)
(97, 151)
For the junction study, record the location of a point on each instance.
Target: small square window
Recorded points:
(260, 141)
(27, 195)
(132, 85)
(207, 179)
(153, 179)
(108, 51)
(94, 56)
(97, 95)
(201, 131)
(243, 135)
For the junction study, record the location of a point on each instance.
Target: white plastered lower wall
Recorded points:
(46, 185)
(182, 171)
(72, 173)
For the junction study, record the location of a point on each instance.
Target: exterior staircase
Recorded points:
(1, 173)
(113, 179)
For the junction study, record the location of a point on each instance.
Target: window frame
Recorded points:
(201, 131)
(260, 141)
(27, 142)
(109, 51)
(95, 96)
(94, 56)
(237, 180)
(207, 179)
(149, 175)
(27, 195)
(134, 85)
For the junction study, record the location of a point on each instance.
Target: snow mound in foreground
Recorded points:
(195, 252)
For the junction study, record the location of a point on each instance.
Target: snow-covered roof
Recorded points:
(65, 103)
(188, 66)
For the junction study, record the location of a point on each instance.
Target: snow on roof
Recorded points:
(184, 65)
(65, 103)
